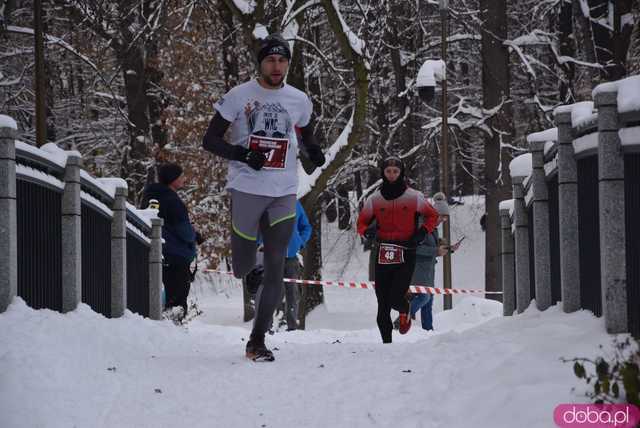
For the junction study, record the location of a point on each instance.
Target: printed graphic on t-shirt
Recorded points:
(268, 120)
(275, 149)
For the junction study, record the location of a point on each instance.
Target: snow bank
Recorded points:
(630, 136)
(37, 152)
(8, 122)
(147, 214)
(628, 92)
(109, 184)
(551, 166)
(585, 143)
(548, 146)
(144, 215)
(548, 135)
(581, 112)
(503, 371)
(25, 171)
(96, 203)
(60, 156)
(81, 369)
(133, 229)
(520, 166)
(507, 204)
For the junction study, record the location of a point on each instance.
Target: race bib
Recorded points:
(275, 150)
(390, 254)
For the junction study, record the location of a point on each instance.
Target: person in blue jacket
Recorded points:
(179, 247)
(299, 238)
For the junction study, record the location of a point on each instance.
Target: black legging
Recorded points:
(176, 278)
(392, 284)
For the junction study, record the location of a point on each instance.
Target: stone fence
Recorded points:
(571, 233)
(67, 237)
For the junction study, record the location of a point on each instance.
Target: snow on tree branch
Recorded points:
(356, 43)
(290, 16)
(246, 7)
(307, 182)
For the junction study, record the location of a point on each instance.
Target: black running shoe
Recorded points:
(254, 279)
(257, 351)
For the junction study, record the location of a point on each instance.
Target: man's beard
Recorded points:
(269, 81)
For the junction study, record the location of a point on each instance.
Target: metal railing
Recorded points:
(68, 237)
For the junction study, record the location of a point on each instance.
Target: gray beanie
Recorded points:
(440, 203)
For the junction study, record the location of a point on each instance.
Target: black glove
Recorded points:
(252, 158)
(419, 236)
(370, 234)
(199, 238)
(315, 154)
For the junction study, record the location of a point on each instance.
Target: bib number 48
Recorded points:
(390, 254)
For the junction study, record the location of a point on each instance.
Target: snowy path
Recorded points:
(479, 369)
(57, 371)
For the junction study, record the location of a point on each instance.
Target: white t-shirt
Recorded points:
(266, 117)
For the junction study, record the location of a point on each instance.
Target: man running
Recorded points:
(262, 178)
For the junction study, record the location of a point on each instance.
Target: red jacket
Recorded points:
(396, 219)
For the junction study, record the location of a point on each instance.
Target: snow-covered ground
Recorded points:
(478, 368)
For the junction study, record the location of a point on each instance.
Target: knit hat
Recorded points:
(396, 189)
(392, 161)
(440, 203)
(273, 44)
(168, 173)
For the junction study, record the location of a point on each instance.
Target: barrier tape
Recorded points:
(416, 289)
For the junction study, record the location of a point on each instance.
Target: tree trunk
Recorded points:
(567, 48)
(495, 89)
(586, 77)
(40, 75)
(229, 56)
(312, 295)
(134, 163)
(344, 208)
(155, 100)
(5, 16)
(633, 55)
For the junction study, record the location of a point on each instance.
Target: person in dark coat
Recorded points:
(424, 272)
(179, 247)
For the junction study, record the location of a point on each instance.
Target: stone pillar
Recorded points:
(119, 253)
(521, 220)
(71, 236)
(8, 222)
(155, 270)
(612, 215)
(568, 212)
(508, 272)
(541, 236)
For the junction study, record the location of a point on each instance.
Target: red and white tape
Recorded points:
(417, 289)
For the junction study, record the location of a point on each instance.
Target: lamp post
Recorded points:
(430, 72)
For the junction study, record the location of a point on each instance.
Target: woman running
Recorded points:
(395, 209)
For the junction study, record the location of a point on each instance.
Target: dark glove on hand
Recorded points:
(199, 238)
(419, 236)
(370, 234)
(252, 158)
(315, 154)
